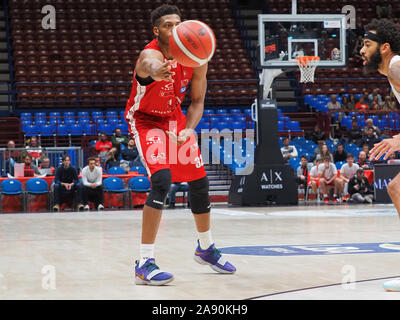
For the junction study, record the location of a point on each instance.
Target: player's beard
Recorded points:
(373, 63)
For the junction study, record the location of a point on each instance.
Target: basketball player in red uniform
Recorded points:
(167, 144)
(381, 53)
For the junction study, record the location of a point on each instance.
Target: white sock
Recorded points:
(146, 252)
(205, 239)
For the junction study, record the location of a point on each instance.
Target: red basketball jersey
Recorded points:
(159, 98)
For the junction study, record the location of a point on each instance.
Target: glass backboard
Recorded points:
(283, 37)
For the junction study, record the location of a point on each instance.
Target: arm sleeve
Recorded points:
(99, 178)
(57, 178)
(84, 178)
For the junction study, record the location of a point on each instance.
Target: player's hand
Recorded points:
(163, 72)
(181, 138)
(387, 146)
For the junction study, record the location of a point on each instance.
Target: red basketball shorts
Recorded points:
(158, 152)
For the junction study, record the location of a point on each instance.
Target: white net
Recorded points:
(307, 65)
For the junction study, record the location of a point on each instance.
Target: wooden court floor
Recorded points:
(301, 252)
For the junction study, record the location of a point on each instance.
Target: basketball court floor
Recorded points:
(301, 252)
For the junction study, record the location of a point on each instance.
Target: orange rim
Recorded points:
(304, 61)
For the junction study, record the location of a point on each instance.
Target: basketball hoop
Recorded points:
(307, 65)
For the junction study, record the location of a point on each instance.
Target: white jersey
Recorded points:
(397, 94)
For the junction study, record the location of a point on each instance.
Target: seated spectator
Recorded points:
(360, 189)
(103, 146)
(317, 134)
(328, 179)
(352, 102)
(363, 162)
(361, 106)
(370, 139)
(30, 170)
(302, 172)
(388, 105)
(288, 151)
(333, 104)
(324, 152)
(375, 93)
(45, 168)
(11, 157)
(375, 105)
(176, 187)
(34, 150)
(346, 104)
(92, 189)
(354, 135)
(347, 171)
(112, 159)
(365, 148)
(383, 9)
(118, 138)
(314, 176)
(66, 181)
(131, 154)
(369, 123)
(340, 154)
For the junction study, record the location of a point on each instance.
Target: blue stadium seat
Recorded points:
(83, 114)
(221, 111)
(139, 184)
(83, 120)
(69, 121)
(235, 111)
(208, 111)
(139, 169)
(30, 130)
(63, 129)
(26, 115)
(116, 170)
(47, 130)
(124, 127)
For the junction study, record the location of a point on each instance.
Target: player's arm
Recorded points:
(394, 75)
(151, 64)
(196, 108)
(198, 93)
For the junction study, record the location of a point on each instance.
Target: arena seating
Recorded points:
(95, 46)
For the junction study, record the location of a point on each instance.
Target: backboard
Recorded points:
(283, 37)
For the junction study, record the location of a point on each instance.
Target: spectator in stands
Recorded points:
(328, 179)
(30, 170)
(11, 157)
(360, 189)
(66, 181)
(302, 172)
(370, 139)
(324, 152)
(384, 9)
(112, 159)
(103, 146)
(346, 105)
(365, 148)
(361, 106)
(375, 105)
(347, 171)
(363, 162)
(98, 163)
(340, 154)
(317, 134)
(118, 138)
(388, 105)
(375, 93)
(354, 135)
(176, 187)
(131, 155)
(34, 150)
(352, 102)
(358, 45)
(45, 167)
(333, 104)
(369, 123)
(314, 176)
(287, 150)
(92, 189)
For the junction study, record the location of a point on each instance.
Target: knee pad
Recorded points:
(199, 196)
(160, 185)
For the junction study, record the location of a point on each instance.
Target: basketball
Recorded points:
(192, 43)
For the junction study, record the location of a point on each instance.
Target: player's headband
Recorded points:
(372, 36)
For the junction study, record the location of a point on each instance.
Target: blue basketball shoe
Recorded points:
(212, 257)
(149, 273)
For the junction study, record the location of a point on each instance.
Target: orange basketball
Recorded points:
(192, 43)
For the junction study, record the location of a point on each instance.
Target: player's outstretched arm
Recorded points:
(151, 64)
(196, 108)
(394, 75)
(387, 146)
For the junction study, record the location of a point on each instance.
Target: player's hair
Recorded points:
(303, 157)
(350, 156)
(387, 31)
(64, 157)
(91, 159)
(161, 11)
